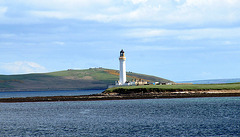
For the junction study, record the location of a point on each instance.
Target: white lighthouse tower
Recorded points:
(122, 61)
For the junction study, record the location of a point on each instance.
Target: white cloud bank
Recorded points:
(138, 1)
(22, 67)
(186, 34)
(143, 12)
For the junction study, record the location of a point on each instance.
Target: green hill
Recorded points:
(93, 78)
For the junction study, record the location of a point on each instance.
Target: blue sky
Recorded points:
(174, 39)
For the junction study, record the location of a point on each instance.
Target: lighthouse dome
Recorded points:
(122, 53)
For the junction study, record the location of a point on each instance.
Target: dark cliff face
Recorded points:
(93, 78)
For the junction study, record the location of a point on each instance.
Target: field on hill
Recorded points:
(93, 78)
(173, 88)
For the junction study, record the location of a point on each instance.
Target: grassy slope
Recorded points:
(164, 88)
(148, 77)
(98, 78)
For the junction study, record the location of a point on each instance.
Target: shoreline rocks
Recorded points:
(113, 96)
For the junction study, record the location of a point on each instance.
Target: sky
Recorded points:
(180, 40)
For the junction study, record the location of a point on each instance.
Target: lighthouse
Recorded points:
(122, 61)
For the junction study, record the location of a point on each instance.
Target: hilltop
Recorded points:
(92, 78)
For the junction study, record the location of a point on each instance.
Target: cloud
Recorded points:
(65, 4)
(22, 67)
(58, 43)
(210, 11)
(138, 1)
(177, 13)
(185, 34)
(3, 10)
(162, 48)
(143, 33)
(6, 35)
(164, 13)
(52, 14)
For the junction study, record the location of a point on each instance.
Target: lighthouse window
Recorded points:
(121, 53)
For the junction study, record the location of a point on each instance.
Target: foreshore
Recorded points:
(113, 96)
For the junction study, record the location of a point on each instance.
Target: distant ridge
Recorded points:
(212, 81)
(92, 78)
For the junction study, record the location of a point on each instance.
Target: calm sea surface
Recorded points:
(47, 93)
(149, 117)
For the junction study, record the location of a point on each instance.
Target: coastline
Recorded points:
(114, 96)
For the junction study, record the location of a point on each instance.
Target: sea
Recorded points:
(15, 94)
(215, 116)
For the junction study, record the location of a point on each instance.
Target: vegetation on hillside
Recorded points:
(93, 78)
(173, 88)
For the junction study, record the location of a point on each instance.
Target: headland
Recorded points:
(92, 78)
(144, 92)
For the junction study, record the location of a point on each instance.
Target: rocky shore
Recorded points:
(116, 96)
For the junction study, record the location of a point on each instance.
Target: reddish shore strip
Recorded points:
(99, 97)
